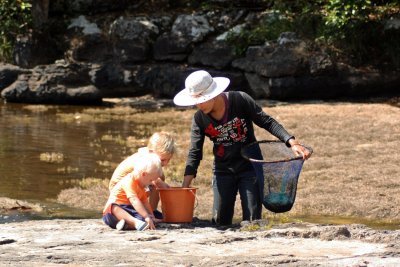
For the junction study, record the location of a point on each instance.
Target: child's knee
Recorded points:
(110, 220)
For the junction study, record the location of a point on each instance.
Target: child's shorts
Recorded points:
(111, 220)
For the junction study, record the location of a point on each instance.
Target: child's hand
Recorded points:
(149, 220)
(161, 184)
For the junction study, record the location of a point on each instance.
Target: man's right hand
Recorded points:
(187, 180)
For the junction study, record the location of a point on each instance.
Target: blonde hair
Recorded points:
(149, 163)
(162, 143)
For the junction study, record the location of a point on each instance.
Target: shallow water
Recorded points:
(41, 151)
(374, 224)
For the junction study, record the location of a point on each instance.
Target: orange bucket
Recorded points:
(177, 204)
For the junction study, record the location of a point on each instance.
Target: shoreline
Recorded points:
(18, 211)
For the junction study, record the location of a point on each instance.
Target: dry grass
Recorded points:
(354, 170)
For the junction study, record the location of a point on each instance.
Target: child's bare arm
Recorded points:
(141, 208)
(159, 183)
(138, 206)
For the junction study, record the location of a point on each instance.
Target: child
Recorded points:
(128, 206)
(160, 143)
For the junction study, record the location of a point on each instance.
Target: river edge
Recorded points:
(89, 242)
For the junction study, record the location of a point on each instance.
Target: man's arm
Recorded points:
(187, 180)
(195, 153)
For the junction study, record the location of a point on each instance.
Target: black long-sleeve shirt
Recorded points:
(230, 136)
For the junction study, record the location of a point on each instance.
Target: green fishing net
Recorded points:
(277, 170)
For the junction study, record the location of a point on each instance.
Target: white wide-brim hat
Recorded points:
(200, 87)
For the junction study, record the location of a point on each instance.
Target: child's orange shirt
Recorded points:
(123, 190)
(125, 167)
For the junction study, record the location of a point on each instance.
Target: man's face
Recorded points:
(206, 107)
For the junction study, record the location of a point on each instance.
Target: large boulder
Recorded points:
(20, 91)
(114, 80)
(9, 74)
(54, 84)
(176, 44)
(132, 38)
(216, 54)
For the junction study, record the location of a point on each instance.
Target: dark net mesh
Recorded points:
(278, 170)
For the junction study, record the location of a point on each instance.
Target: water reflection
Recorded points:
(29, 133)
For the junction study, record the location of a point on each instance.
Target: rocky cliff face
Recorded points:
(118, 54)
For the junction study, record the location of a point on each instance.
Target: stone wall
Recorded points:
(122, 54)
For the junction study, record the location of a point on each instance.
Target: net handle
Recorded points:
(275, 161)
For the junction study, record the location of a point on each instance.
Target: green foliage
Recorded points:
(270, 28)
(343, 16)
(354, 29)
(297, 6)
(16, 18)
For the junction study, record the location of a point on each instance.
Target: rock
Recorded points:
(90, 48)
(115, 80)
(216, 54)
(127, 54)
(20, 91)
(54, 84)
(8, 204)
(171, 47)
(132, 38)
(91, 242)
(9, 74)
(81, 96)
(193, 27)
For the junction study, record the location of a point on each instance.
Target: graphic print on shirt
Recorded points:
(227, 134)
(211, 131)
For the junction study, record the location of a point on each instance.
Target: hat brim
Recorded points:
(183, 98)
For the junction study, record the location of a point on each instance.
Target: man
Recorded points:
(227, 119)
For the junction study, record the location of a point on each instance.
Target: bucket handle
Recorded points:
(196, 199)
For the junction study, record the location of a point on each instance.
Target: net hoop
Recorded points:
(273, 161)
